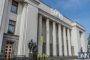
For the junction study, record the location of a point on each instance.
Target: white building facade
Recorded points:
(25, 20)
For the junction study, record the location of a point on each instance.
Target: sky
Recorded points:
(76, 10)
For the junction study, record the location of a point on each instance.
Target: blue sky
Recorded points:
(77, 10)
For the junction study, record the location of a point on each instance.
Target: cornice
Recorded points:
(35, 1)
(26, 1)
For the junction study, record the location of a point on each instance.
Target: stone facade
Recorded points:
(54, 34)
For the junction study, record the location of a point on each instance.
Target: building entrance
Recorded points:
(8, 50)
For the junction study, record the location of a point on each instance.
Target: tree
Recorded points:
(89, 40)
(89, 37)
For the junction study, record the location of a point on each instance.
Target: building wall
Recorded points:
(27, 27)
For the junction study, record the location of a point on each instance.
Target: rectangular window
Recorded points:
(51, 49)
(67, 47)
(11, 27)
(14, 7)
(57, 49)
(44, 48)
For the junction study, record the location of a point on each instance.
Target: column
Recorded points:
(83, 42)
(74, 41)
(69, 41)
(60, 39)
(3, 5)
(40, 35)
(54, 39)
(64, 39)
(21, 43)
(47, 38)
(3, 11)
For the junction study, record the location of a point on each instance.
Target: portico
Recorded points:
(64, 36)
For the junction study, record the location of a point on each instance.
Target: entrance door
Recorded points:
(8, 51)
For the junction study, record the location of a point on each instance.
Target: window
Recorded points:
(11, 27)
(67, 48)
(57, 49)
(44, 48)
(51, 49)
(14, 7)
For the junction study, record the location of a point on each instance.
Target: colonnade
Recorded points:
(64, 36)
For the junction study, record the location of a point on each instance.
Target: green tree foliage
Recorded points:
(89, 39)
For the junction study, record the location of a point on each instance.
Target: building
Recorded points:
(25, 20)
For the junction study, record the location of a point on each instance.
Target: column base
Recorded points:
(23, 57)
(63, 58)
(20, 57)
(31, 56)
